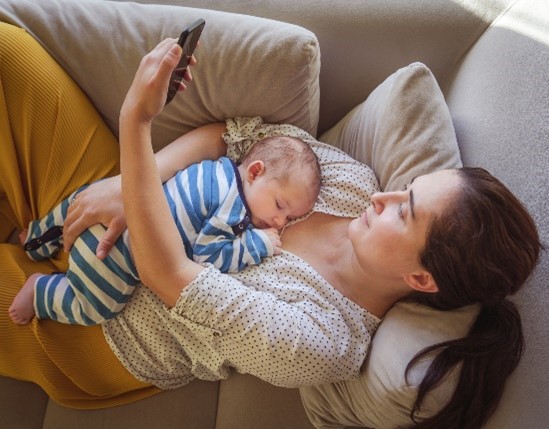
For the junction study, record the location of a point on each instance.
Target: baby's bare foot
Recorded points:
(21, 310)
(23, 236)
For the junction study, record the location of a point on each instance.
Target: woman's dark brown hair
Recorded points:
(481, 250)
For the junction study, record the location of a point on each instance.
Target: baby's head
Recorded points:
(281, 180)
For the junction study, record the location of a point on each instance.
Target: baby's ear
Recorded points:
(255, 169)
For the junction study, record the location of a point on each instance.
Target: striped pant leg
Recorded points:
(92, 290)
(45, 236)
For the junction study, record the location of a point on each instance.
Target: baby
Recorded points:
(227, 215)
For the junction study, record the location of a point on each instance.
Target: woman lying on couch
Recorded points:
(312, 310)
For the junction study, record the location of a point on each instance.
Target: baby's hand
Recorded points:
(273, 235)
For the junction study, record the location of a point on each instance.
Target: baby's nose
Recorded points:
(279, 221)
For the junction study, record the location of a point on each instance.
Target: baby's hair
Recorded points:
(281, 153)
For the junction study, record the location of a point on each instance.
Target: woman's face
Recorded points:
(388, 238)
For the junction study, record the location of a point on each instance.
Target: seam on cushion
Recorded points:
(313, 51)
(503, 13)
(474, 39)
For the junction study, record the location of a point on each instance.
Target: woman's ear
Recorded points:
(422, 281)
(255, 169)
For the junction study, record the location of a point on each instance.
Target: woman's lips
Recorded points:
(364, 218)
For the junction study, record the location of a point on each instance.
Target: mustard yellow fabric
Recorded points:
(52, 140)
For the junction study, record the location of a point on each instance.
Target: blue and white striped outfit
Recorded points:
(213, 219)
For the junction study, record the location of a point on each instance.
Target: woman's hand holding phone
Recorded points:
(146, 97)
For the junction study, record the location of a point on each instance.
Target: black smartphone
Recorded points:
(188, 41)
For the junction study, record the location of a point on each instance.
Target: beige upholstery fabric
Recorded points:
(247, 66)
(402, 130)
(364, 41)
(192, 406)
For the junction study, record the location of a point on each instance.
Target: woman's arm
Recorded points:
(197, 145)
(157, 248)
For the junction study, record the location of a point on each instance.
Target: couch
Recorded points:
(491, 61)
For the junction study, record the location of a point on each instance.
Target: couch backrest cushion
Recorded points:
(247, 66)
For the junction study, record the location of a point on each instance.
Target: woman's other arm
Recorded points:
(202, 143)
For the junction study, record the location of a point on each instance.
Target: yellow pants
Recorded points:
(52, 140)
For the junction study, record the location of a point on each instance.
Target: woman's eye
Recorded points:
(400, 210)
(277, 205)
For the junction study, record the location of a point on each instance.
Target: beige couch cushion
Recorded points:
(247, 66)
(402, 130)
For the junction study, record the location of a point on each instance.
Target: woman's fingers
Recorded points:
(169, 61)
(101, 202)
(75, 224)
(114, 231)
(147, 94)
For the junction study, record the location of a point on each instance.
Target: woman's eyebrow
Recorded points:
(411, 199)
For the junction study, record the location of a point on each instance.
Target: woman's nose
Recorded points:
(381, 199)
(377, 201)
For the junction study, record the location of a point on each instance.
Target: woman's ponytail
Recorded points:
(488, 355)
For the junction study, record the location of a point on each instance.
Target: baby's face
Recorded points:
(275, 202)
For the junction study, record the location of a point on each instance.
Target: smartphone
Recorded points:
(188, 41)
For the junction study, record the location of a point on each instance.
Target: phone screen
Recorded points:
(188, 41)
